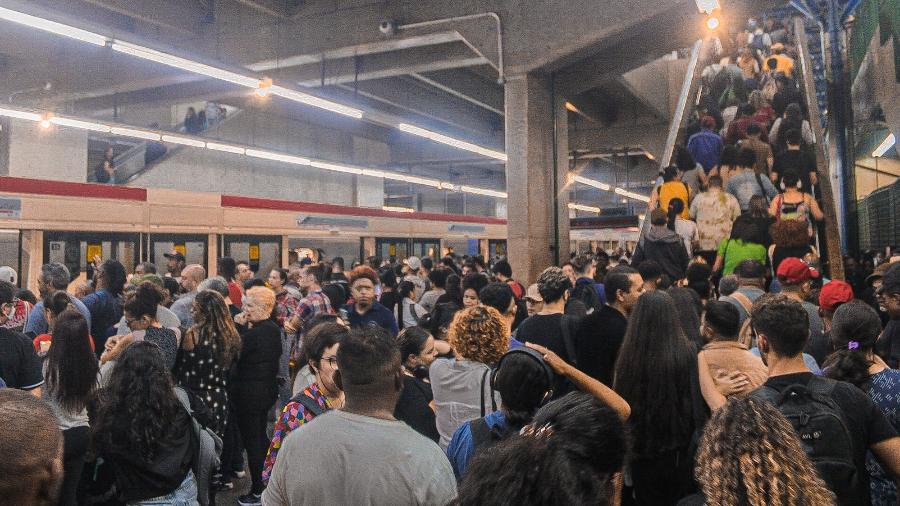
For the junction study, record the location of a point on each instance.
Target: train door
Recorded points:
(423, 248)
(77, 250)
(497, 247)
(262, 252)
(194, 247)
(392, 247)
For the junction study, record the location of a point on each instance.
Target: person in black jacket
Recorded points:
(253, 386)
(663, 246)
(142, 431)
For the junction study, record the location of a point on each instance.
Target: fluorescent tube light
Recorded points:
(83, 125)
(184, 64)
(278, 157)
(225, 147)
(13, 113)
(885, 145)
(482, 191)
(582, 207)
(450, 141)
(52, 27)
(398, 209)
(185, 141)
(373, 173)
(138, 134)
(314, 101)
(591, 182)
(334, 167)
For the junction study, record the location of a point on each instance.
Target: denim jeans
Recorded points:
(184, 495)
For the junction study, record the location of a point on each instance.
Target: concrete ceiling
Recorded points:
(443, 76)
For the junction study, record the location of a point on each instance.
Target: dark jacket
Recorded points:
(253, 386)
(664, 247)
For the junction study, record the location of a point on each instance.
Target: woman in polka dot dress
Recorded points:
(207, 352)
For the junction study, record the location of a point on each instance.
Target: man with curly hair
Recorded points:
(365, 309)
(551, 328)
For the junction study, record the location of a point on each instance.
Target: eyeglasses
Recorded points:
(332, 361)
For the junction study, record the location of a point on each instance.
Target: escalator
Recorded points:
(810, 78)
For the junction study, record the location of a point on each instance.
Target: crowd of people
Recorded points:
(715, 365)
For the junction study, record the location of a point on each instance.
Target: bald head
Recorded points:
(31, 469)
(191, 276)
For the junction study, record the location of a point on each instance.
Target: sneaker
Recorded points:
(250, 500)
(239, 474)
(222, 485)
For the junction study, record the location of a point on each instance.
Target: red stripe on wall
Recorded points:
(65, 189)
(310, 207)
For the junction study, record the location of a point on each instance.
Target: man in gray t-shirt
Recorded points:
(361, 454)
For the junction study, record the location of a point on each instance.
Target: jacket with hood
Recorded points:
(664, 247)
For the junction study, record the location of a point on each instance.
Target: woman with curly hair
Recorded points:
(208, 349)
(142, 430)
(750, 454)
(460, 385)
(855, 329)
(789, 239)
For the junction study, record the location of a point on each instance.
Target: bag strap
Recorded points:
(309, 404)
(481, 433)
(760, 183)
(744, 301)
(493, 401)
(567, 339)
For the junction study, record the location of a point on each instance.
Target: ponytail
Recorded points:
(676, 207)
(855, 328)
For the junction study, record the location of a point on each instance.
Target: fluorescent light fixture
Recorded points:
(225, 147)
(278, 157)
(13, 113)
(707, 6)
(423, 181)
(582, 207)
(138, 134)
(314, 101)
(712, 23)
(335, 167)
(635, 196)
(398, 209)
(184, 64)
(83, 125)
(373, 173)
(52, 27)
(482, 191)
(450, 141)
(885, 145)
(448, 186)
(591, 182)
(185, 141)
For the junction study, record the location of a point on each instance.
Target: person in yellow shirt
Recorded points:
(783, 62)
(671, 188)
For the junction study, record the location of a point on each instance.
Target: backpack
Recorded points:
(309, 404)
(207, 454)
(758, 42)
(745, 335)
(769, 86)
(823, 432)
(586, 293)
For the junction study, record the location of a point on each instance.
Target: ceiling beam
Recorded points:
(467, 86)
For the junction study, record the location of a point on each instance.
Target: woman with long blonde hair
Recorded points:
(751, 455)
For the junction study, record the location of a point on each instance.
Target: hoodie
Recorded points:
(664, 247)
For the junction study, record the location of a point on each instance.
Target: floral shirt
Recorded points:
(715, 212)
(294, 415)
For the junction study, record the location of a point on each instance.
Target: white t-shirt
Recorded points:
(342, 458)
(687, 229)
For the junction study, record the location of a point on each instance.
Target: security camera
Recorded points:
(388, 27)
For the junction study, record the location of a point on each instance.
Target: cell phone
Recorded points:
(344, 315)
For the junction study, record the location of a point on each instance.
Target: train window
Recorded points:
(9, 250)
(77, 250)
(193, 247)
(263, 253)
(321, 250)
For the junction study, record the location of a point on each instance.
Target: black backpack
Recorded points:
(823, 432)
(586, 293)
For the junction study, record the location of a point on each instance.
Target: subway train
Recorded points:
(50, 221)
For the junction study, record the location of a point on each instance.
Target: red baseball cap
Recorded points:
(793, 271)
(833, 294)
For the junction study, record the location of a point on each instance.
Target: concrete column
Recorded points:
(57, 153)
(534, 226)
